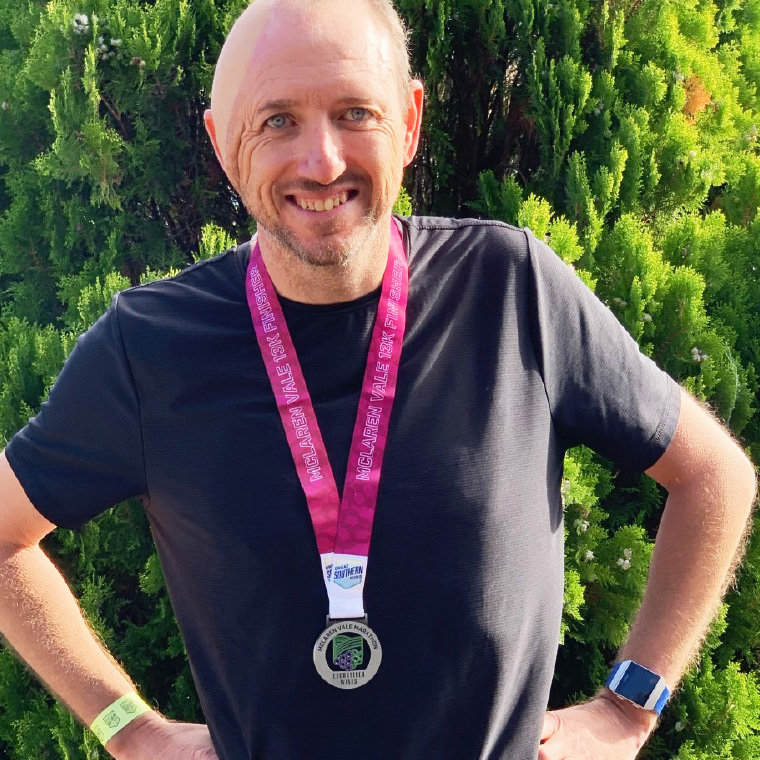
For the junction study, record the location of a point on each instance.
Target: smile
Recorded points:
(320, 205)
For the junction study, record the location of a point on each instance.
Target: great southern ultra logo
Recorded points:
(348, 576)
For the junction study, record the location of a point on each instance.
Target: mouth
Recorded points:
(322, 205)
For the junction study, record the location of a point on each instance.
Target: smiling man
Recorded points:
(314, 116)
(346, 386)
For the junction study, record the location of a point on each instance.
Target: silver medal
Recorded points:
(347, 654)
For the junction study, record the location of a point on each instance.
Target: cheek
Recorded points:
(254, 195)
(382, 159)
(244, 162)
(257, 173)
(265, 198)
(391, 166)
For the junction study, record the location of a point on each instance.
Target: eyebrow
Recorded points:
(275, 105)
(284, 104)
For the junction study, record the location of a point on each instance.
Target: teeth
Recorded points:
(327, 205)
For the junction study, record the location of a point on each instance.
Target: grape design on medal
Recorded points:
(348, 651)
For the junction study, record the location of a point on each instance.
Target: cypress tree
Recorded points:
(624, 133)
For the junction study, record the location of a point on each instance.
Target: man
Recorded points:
(189, 395)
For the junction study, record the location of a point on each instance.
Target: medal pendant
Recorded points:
(347, 654)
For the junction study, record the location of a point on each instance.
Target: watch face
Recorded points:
(637, 684)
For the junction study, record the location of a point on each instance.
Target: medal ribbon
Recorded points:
(343, 529)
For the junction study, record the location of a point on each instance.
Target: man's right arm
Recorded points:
(42, 621)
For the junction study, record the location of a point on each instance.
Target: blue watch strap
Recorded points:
(639, 685)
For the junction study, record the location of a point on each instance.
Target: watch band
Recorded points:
(638, 685)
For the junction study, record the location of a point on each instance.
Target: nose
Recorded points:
(322, 159)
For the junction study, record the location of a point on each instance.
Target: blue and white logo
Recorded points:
(348, 576)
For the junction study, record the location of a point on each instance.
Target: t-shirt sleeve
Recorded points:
(602, 391)
(83, 452)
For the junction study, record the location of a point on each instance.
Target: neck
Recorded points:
(300, 281)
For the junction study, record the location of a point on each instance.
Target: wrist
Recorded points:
(640, 722)
(138, 739)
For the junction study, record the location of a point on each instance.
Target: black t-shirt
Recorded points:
(507, 361)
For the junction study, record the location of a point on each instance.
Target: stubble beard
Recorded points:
(360, 244)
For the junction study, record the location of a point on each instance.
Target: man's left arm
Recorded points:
(711, 488)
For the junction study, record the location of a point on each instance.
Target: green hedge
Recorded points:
(624, 133)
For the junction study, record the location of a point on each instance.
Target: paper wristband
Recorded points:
(121, 713)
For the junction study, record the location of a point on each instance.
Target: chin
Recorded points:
(324, 255)
(330, 251)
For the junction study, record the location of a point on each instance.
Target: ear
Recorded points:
(413, 120)
(208, 120)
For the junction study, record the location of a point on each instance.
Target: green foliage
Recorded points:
(499, 200)
(559, 91)
(214, 239)
(573, 602)
(113, 171)
(403, 204)
(624, 134)
(718, 714)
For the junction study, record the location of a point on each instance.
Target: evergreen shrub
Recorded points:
(623, 132)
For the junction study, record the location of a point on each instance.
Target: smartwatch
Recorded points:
(638, 685)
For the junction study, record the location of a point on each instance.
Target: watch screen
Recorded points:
(637, 684)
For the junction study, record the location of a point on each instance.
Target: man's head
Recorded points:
(312, 103)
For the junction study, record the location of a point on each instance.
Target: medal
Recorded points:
(347, 654)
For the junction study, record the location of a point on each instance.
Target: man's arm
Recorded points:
(711, 489)
(42, 621)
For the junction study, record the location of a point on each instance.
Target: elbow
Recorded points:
(734, 477)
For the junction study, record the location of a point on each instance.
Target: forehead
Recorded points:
(317, 47)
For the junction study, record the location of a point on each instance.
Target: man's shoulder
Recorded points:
(442, 223)
(205, 293)
(220, 276)
(448, 240)
(219, 271)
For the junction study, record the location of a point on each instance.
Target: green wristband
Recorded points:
(122, 712)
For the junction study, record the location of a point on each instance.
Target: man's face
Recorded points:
(318, 138)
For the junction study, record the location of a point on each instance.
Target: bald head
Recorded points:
(263, 19)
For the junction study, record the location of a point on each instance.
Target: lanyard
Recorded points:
(342, 528)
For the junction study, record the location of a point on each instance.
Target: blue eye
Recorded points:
(358, 114)
(278, 121)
